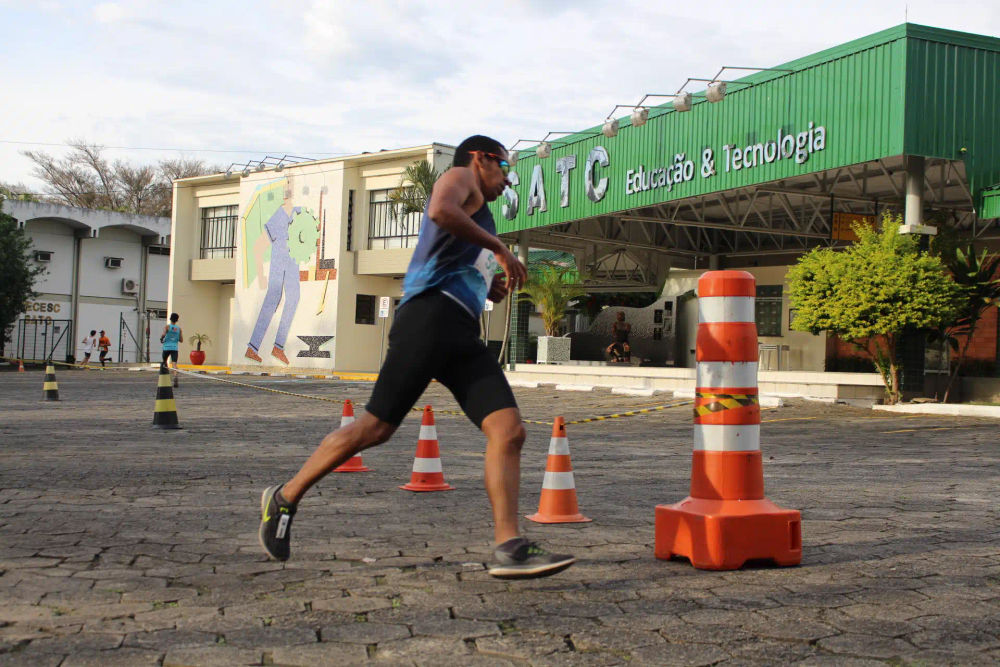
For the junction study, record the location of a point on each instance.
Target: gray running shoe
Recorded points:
(275, 524)
(518, 558)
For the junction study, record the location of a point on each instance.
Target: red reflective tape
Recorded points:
(727, 283)
(727, 341)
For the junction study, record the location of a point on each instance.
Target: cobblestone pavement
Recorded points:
(121, 545)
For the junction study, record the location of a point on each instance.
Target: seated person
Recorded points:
(619, 350)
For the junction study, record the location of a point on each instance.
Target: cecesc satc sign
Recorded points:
(673, 173)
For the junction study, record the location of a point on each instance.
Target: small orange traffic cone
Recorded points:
(353, 464)
(20, 365)
(558, 502)
(427, 474)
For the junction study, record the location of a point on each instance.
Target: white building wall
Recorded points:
(101, 304)
(57, 238)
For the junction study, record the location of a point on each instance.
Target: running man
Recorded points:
(435, 335)
(89, 343)
(104, 344)
(171, 337)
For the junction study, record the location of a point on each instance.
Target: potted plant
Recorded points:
(551, 287)
(197, 356)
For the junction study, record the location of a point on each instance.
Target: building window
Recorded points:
(386, 230)
(768, 310)
(218, 231)
(364, 309)
(159, 250)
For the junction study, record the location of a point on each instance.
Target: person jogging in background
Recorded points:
(171, 337)
(435, 335)
(104, 344)
(89, 343)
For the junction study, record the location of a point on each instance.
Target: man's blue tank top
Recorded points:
(456, 268)
(172, 337)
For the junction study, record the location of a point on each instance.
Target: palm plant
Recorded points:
(411, 195)
(551, 287)
(979, 279)
(200, 338)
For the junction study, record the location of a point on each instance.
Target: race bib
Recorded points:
(487, 265)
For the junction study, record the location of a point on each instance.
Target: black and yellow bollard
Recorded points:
(165, 412)
(50, 388)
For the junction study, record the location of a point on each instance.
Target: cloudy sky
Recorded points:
(231, 81)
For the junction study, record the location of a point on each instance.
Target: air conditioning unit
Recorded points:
(113, 262)
(130, 286)
(43, 255)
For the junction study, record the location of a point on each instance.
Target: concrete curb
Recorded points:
(575, 387)
(949, 409)
(634, 391)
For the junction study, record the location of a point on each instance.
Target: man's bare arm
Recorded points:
(453, 190)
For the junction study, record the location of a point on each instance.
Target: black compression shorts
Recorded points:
(170, 354)
(435, 338)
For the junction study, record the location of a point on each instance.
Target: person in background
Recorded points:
(172, 336)
(619, 350)
(89, 343)
(104, 345)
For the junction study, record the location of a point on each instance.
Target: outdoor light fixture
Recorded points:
(715, 91)
(682, 102)
(229, 172)
(260, 166)
(544, 150)
(246, 172)
(279, 167)
(640, 116)
(610, 128)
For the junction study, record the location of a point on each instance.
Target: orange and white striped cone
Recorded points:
(558, 501)
(726, 520)
(427, 474)
(353, 464)
(20, 365)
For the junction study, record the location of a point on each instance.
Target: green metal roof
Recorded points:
(907, 90)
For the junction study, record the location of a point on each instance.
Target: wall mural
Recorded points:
(287, 264)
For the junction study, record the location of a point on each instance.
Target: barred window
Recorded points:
(767, 310)
(218, 231)
(387, 229)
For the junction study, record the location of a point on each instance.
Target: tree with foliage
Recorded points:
(871, 292)
(86, 179)
(978, 276)
(551, 287)
(17, 274)
(411, 195)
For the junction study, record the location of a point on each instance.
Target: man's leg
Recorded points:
(291, 283)
(504, 437)
(338, 446)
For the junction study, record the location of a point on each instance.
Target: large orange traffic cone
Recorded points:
(20, 365)
(353, 464)
(427, 474)
(558, 502)
(50, 388)
(165, 411)
(726, 520)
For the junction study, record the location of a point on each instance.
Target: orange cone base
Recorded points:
(725, 534)
(353, 464)
(557, 518)
(419, 485)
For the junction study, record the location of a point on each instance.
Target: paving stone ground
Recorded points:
(122, 545)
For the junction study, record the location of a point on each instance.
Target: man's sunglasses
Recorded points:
(504, 165)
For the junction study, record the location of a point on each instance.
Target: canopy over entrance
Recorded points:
(788, 160)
